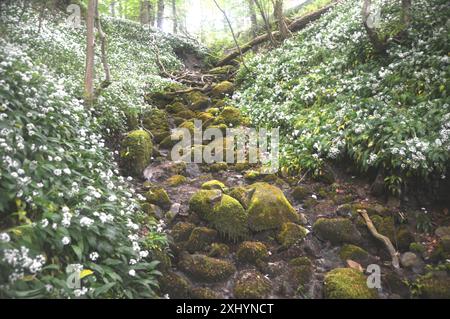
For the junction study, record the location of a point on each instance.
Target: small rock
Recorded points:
(410, 260)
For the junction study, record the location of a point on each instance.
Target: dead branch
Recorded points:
(385, 240)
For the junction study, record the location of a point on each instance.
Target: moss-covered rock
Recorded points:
(268, 208)
(291, 234)
(176, 180)
(251, 285)
(230, 116)
(223, 212)
(310, 203)
(241, 194)
(157, 122)
(197, 101)
(204, 293)
(354, 253)
(158, 196)
(189, 125)
(252, 251)
(213, 111)
(176, 107)
(160, 99)
(206, 269)
(222, 89)
(168, 142)
(206, 118)
(399, 235)
(219, 250)
(417, 248)
(218, 167)
(300, 193)
(174, 285)
(136, 152)
(182, 231)
(200, 239)
(252, 175)
(214, 184)
(347, 283)
(187, 114)
(336, 230)
(301, 272)
(433, 285)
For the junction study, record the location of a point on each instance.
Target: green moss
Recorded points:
(354, 253)
(136, 152)
(251, 252)
(219, 250)
(187, 114)
(291, 234)
(157, 122)
(167, 143)
(222, 70)
(251, 285)
(268, 208)
(176, 107)
(197, 101)
(222, 89)
(347, 283)
(252, 175)
(160, 99)
(203, 202)
(241, 194)
(159, 197)
(240, 167)
(207, 269)
(417, 248)
(205, 117)
(434, 285)
(174, 285)
(189, 125)
(218, 167)
(214, 184)
(213, 111)
(310, 203)
(230, 116)
(399, 236)
(200, 239)
(300, 193)
(176, 180)
(222, 127)
(301, 272)
(204, 293)
(336, 230)
(163, 257)
(181, 231)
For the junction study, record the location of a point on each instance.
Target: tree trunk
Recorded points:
(145, 15)
(253, 18)
(90, 47)
(406, 12)
(174, 16)
(266, 21)
(103, 44)
(151, 14)
(112, 8)
(378, 43)
(279, 15)
(160, 16)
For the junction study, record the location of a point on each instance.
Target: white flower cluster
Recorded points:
(22, 263)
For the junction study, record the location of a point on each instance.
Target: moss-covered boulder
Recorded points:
(200, 239)
(174, 285)
(301, 272)
(157, 122)
(347, 283)
(354, 253)
(231, 116)
(291, 234)
(251, 285)
(223, 212)
(300, 193)
(252, 251)
(433, 285)
(187, 114)
(252, 175)
(218, 167)
(176, 107)
(182, 231)
(268, 208)
(214, 184)
(206, 269)
(219, 250)
(197, 101)
(136, 152)
(159, 99)
(241, 194)
(222, 89)
(205, 117)
(336, 230)
(176, 180)
(204, 293)
(158, 196)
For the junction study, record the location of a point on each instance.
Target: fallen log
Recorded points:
(294, 26)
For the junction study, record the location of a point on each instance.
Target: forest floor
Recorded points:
(291, 259)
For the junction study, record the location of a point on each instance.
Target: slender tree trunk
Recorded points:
(174, 16)
(253, 18)
(112, 8)
(279, 15)
(406, 12)
(90, 47)
(104, 52)
(378, 43)
(266, 21)
(151, 14)
(144, 12)
(160, 15)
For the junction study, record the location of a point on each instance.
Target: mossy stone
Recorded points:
(347, 283)
(207, 269)
(159, 197)
(187, 114)
(301, 272)
(157, 122)
(168, 142)
(291, 234)
(218, 167)
(417, 248)
(204, 293)
(354, 253)
(300, 193)
(252, 175)
(197, 101)
(268, 208)
(200, 239)
(136, 152)
(310, 203)
(336, 230)
(399, 236)
(160, 99)
(176, 107)
(176, 180)
(174, 285)
(203, 202)
(182, 231)
(252, 251)
(231, 116)
(222, 89)
(205, 117)
(241, 194)
(251, 285)
(219, 250)
(433, 285)
(214, 184)
(213, 111)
